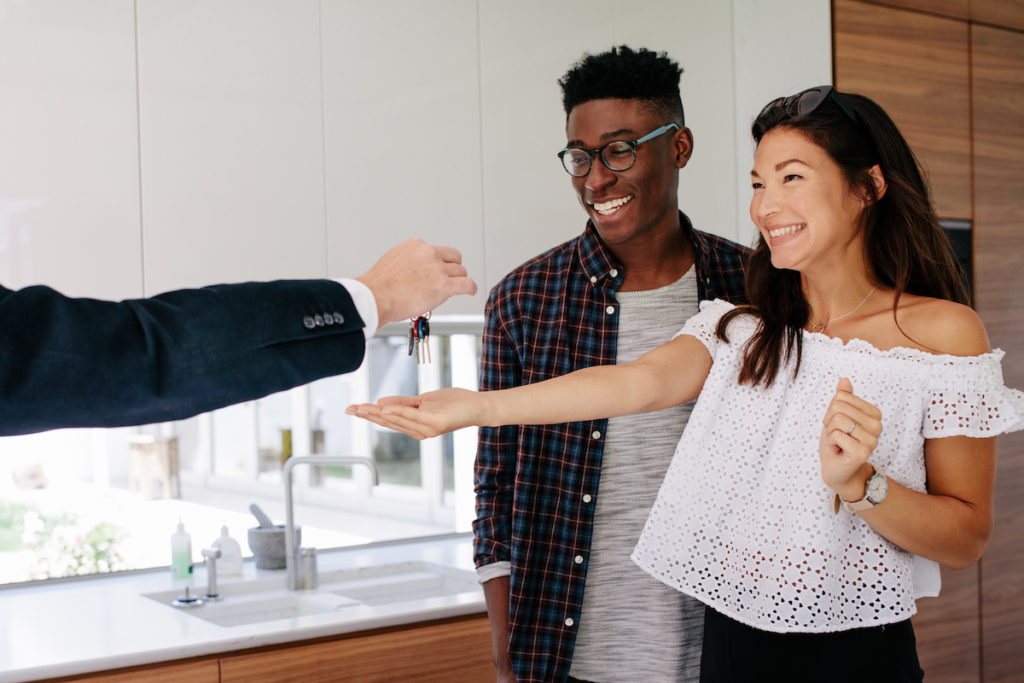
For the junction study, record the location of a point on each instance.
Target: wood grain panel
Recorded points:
(1006, 13)
(948, 630)
(447, 652)
(958, 9)
(915, 66)
(201, 671)
(998, 97)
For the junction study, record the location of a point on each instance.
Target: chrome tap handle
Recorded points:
(211, 555)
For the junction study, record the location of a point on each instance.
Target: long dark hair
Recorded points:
(905, 248)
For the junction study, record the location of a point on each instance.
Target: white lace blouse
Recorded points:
(743, 520)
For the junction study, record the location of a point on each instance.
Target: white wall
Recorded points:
(156, 144)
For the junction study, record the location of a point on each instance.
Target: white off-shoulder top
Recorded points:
(743, 520)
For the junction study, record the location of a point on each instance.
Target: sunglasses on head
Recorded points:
(808, 100)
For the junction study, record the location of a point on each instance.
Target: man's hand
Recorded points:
(415, 277)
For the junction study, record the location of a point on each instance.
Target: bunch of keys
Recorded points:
(419, 338)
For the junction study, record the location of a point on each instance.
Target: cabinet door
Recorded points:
(448, 651)
(958, 9)
(1005, 13)
(402, 132)
(69, 173)
(206, 671)
(998, 95)
(915, 66)
(231, 139)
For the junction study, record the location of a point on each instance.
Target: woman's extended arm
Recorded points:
(667, 375)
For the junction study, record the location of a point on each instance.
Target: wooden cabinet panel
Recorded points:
(947, 630)
(916, 66)
(998, 97)
(958, 9)
(447, 651)
(202, 671)
(1008, 13)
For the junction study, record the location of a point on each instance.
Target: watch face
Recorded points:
(877, 488)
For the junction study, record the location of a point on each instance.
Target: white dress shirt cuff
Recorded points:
(494, 570)
(365, 303)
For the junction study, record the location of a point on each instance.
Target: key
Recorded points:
(425, 336)
(419, 333)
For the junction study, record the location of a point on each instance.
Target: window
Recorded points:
(78, 502)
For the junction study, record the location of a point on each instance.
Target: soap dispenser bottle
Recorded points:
(181, 553)
(230, 562)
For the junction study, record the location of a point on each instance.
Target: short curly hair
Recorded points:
(625, 73)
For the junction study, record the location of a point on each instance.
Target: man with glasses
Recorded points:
(552, 546)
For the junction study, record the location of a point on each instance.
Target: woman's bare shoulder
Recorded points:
(943, 326)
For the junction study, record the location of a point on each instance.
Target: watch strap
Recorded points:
(879, 488)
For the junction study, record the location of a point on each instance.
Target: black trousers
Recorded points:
(736, 653)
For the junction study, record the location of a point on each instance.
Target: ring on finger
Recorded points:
(853, 425)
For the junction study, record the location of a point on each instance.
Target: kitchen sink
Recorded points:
(266, 599)
(402, 582)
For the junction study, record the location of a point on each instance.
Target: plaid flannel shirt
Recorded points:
(536, 485)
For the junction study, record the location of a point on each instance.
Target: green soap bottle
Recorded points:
(181, 553)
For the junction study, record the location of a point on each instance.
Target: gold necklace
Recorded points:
(820, 327)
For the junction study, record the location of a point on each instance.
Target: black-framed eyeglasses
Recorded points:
(618, 155)
(808, 100)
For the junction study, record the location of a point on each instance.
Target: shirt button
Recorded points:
(587, 498)
(578, 559)
(569, 622)
(593, 278)
(308, 322)
(610, 310)
(614, 272)
(596, 435)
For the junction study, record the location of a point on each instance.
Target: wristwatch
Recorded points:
(877, 489)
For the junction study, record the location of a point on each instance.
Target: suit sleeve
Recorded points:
(68, 362)
(497, 448)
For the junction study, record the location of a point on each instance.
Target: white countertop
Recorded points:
(95, 624)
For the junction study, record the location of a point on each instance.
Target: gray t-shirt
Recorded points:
(633, 627)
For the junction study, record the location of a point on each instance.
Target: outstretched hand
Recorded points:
(415, 277)
(427, 415)
(850, 431)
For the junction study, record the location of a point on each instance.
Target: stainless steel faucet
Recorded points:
(291, 552)
(211, 555)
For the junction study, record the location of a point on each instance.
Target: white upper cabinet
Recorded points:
(69, 184)
(231, 130)
(402, 132)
